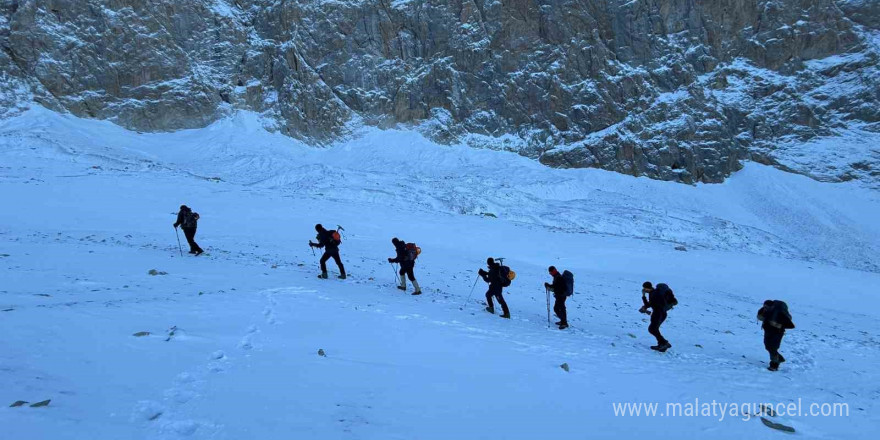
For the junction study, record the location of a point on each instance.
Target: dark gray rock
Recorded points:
(777, 426)
(680, 90)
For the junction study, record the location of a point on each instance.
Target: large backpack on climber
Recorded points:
(507, 275)
(778, 316)
(190, 219)
(412, 252)
(335, 237)
(668, 295)
(569, 282)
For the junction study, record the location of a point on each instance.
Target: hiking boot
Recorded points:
(403, 288)
(341, 277)
(490, 310)
(774, 366)
(192, 251)
(199, 252)
(417, 292)
(323, 276)
(563, 326)
(781, 359)
(662, 347)
(558, 322)
(506, 316)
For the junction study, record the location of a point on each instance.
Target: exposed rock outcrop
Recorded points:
(679, 90)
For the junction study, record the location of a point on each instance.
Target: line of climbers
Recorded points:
(657, 300)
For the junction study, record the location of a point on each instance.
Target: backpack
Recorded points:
(412, 251)
(780, 315)
(569, 282)
(335, 237)
(507, 276)
(668, 296)
(190, 219)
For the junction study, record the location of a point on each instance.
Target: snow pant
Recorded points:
(190, 234)
(334, 254)
(657, 319)
(407, 271)
(496, 292)
(772, 341)
(559, 308)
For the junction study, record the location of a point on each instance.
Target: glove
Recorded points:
(311, 244)
(481, 272)
(546, 285)
(645, 310)
(175, 225)
(391, 260)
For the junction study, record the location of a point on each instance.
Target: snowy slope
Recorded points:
(88, 210)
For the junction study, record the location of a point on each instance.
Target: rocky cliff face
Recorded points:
(672, 89)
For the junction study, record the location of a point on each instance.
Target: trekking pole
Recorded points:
(179, 247)
(396, 279)
(548, 305)
(469, 294)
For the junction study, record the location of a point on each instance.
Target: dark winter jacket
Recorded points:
(656, 300)
(493, 276)
(187, 218)
(775, 317)
(325, 240)
(402, 255)
(559, 288)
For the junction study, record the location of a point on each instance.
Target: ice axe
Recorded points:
(340, 229)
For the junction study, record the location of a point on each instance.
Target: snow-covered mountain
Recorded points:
(101, 316)
(680, 90)
(547, 132)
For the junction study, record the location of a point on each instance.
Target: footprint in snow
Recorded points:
(246, 344)
(179, 396)
(269, 313)
(147, 410)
